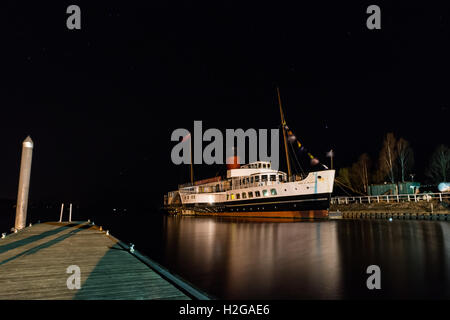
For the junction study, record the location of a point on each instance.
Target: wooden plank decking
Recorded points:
(33, 264)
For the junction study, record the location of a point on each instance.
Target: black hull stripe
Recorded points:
(293, 203)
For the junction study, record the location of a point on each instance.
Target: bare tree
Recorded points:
(344, 177)
(405, 157)
(360, 173)
(439, 166)
(387, 160)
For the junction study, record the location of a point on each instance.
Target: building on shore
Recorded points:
(394, 188)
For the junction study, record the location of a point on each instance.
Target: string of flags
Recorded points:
(292, 138)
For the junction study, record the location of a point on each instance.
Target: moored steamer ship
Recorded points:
(257, 190)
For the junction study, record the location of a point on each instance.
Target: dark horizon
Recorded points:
(100, 103)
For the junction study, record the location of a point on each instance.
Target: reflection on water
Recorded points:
(254, 259)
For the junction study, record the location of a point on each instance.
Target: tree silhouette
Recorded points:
(439, 166)
(359, 173)
(387, 159)
(405, 158)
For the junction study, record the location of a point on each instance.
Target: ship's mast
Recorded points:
(283, 125)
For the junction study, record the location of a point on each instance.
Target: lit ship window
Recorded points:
(238, 195)
(244, 195)
(273, 192)
(273, 177)
(256, 178)
(232, 196)
(265, 193)
(264, 177)
(250, 194)
(257, 194)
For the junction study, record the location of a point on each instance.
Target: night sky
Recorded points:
(101, 103)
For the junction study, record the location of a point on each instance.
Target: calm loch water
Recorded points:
(251, 259)
(233, 258)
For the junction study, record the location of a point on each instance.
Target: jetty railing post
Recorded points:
(415, 198)
(346, 200)
(70, 213)
(408, 198)
(24, 184)
(368, 199)
(387, 198)
(61, 214)
(440, 197)
(398, 199)
(378, 199)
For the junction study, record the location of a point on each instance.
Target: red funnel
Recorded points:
(233, 162)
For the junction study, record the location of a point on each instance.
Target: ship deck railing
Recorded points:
(235, 187)
(223, 187)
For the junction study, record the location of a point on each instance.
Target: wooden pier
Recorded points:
(34, 262)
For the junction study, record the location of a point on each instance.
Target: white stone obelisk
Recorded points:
(24, 184)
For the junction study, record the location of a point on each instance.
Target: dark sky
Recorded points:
(101, 103)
